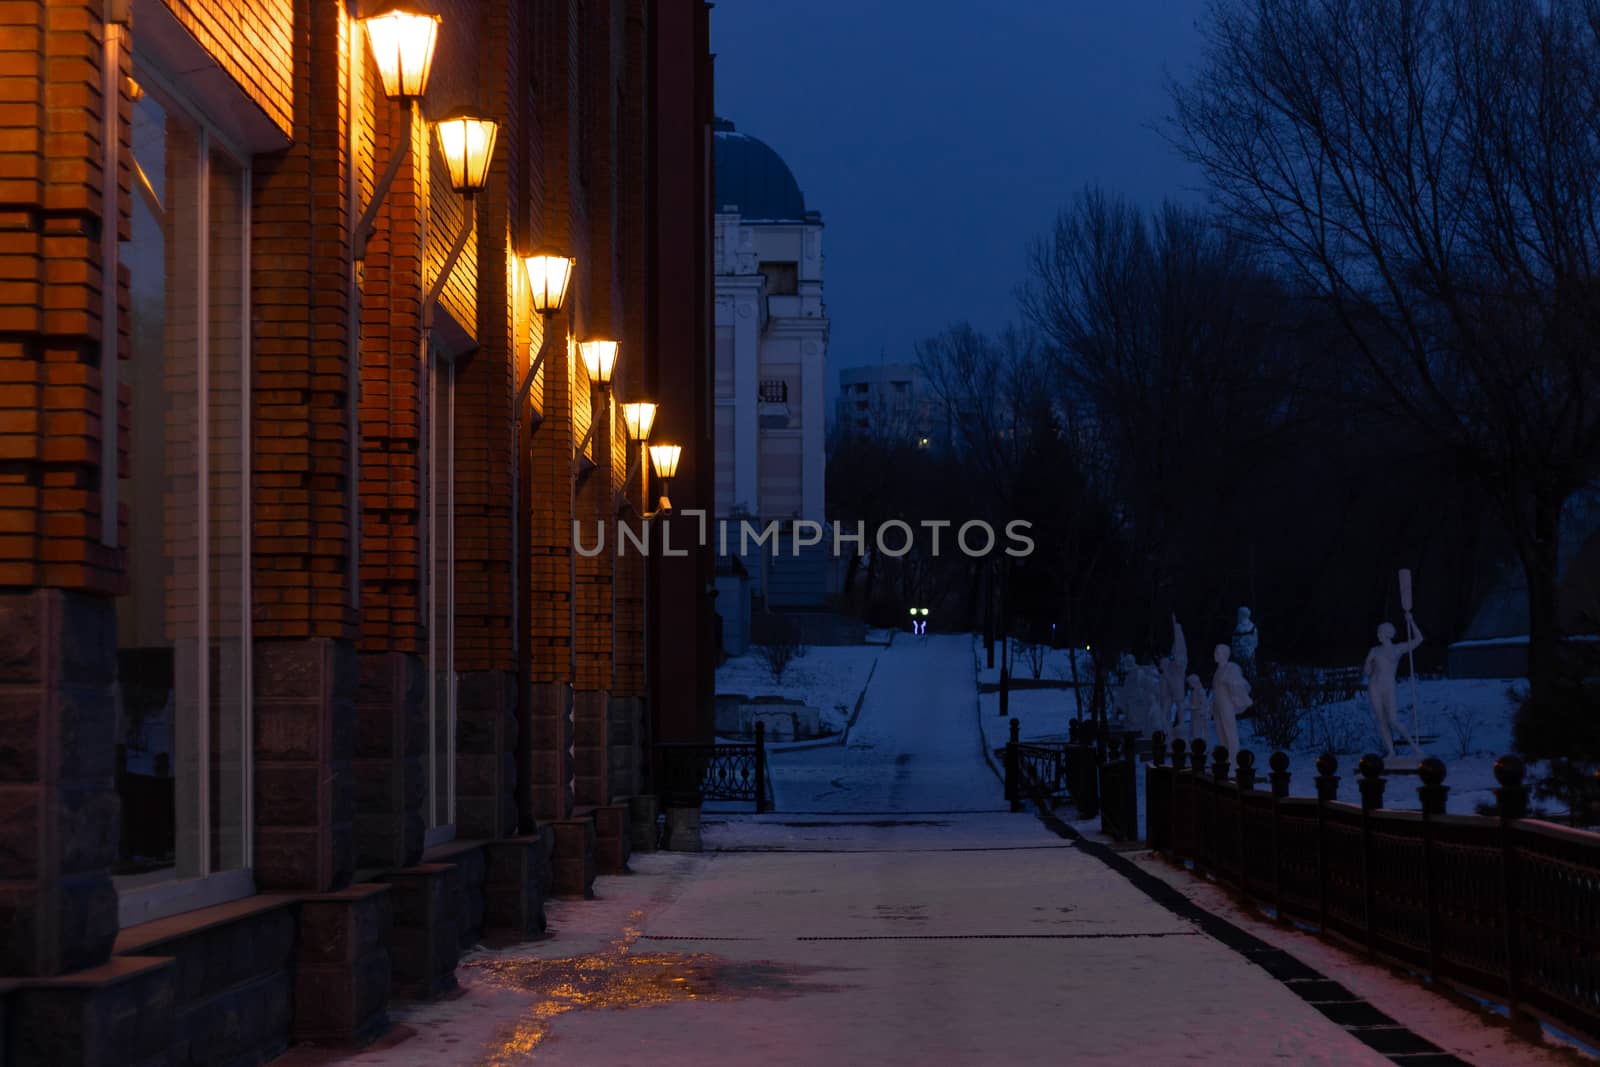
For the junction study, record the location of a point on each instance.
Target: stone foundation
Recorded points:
(391, 738)
(233, 977)
(424, 938)
(574, 857)
(486, 755)
(613, 838)
(643, 812)
(342, 969)
(683, 830)
(119, 1014)
(545, 779)
(58, 801)
(518, 877)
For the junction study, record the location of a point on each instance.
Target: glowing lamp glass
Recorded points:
(402, 46)
(638, 418)
(467, 144)
(599, 359)
(664, 458)
(548, 278)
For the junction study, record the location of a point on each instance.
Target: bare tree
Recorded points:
(1428, 169)
(1179, 344)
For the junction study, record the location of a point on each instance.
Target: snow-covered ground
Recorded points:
(827, 677)
(1471, 718)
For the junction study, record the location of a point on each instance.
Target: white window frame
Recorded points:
(441, 370)
(140, 900)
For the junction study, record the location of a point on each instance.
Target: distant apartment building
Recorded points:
(890, 401)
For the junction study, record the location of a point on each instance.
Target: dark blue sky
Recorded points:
(938, 138)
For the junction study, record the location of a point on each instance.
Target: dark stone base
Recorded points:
(574, 857)
(518, 878)
(486, 755)
(627, 742)
(613, 838)
(58, 829)
(342, 966)
(683, 830)
(642, 818)
(424, 938)
(233, 968)
(471, 863)
(119, 1014)
(391, 738)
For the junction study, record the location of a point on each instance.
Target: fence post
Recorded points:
(1327, 793)
(1130, 788)
(1244, 781)
(1157, 794)
(1197, 796)
(1513, 805)
(1279, 777)
(1432, 794)
(761, 767)
(1371, 785)
(1013, 769)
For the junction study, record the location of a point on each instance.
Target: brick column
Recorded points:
(546, 772)
(58, 806)
(306, 673)
(487, 695)
(391, 708)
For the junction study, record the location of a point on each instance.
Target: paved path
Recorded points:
(929, 930)
(914, 747)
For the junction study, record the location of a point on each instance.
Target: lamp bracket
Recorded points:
(469, 215)
(366, 226)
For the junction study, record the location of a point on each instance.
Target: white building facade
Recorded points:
(771, 337)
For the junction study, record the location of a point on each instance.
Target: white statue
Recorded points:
(1244, 641)
(1198, 705)
(1380, 671)
(1173, 666)
(1230, 694)
(1139, 697)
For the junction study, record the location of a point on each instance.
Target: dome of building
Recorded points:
(749, 175)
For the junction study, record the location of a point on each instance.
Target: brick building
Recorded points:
(303, 684)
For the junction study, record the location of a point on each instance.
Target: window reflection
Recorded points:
(182, 627)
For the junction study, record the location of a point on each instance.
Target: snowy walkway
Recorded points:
(887, 914)
(914, 747)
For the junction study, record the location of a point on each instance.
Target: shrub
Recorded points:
(1035, 653)
(1464, 723)
(783, 647)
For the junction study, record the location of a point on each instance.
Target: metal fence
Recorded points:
(689, 773)
(1504, 907)
(1051, 772)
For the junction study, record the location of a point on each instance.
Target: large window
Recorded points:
(441, 549)
(183, 625)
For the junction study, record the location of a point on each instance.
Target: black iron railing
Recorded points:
(1050, 772)
(1501, 906)
(688, 772)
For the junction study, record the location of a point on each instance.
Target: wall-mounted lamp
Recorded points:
(637, 419)
(467, 144)
(548, 278)
(664, 458)
(599, 359)
(403, 43)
